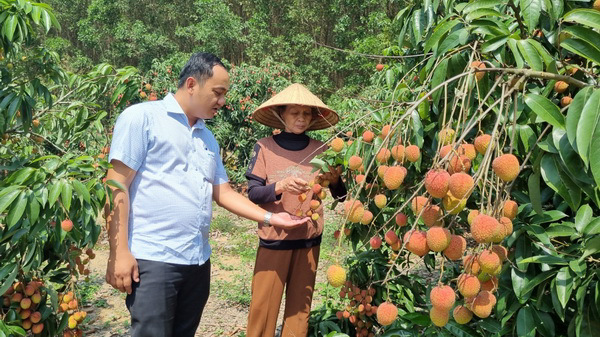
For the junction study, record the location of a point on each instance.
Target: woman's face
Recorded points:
(297, 118)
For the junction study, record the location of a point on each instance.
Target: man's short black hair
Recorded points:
(199, 66)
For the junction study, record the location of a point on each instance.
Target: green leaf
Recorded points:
(8, 195)
(590, 115)
(588, 35)
(475, 5)
(574, 113)
(559, 229)
(546, 259)
(535, 198)
(33, 208)
(66, 194)
(548, 216)
(84, 194)
(564, 285)
(531, 10)
(17, 210)
(544, 323)
(592, 228)
(582, 48)
(526, 325)
(545, 109)
(595, 155)
(588, 17)
(8, 282)
(10, 25)
(592, 246)
(439, 31)
(493, 44)
(539, 278)
(583, 217)
(122, 187)
(439, 76)
(54, 192)
(531, 55)
(483, 12)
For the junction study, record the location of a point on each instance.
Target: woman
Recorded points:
(278, 179)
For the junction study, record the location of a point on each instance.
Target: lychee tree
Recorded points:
(479, 170)
(55, 136)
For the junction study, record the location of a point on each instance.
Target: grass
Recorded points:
(235, 292)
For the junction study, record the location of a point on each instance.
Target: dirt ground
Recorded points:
(234, 243)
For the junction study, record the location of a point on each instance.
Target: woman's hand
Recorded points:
(291, 185)
(333, 176)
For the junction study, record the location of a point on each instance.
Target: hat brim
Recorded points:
(297, 94)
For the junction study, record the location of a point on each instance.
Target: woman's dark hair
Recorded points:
(199, 66)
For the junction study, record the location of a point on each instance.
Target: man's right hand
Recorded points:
(291, 185)
(121, 269)
(286, 221)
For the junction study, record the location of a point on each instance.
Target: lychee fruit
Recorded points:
(381, 171)
(314, 204)
(398, 153)
(368, 136)
(442, 297)
(452, 204)
(460, 184)
(468, 150)
(438, 238)
(416, 242)
(439, 317)
(366, 218)
(468, 285)
(401, 219)
(336, 275)
(417, 204)
(501, 251)
(354, 163)
(432, 216)
(483, 304)
(391, 237)
(472, 214)
(444, 150)
(482, 142)
(484, 228)
(436, 182)
(462, 315)
(507, 227)
(471, 265)
(460, 163)
(359, 178)
(561, 86)
(383, 156)
(35, 317)
(375, 242)
(412, 153)
(510, 209)
(489, 261)
(386, 313)
(385, 130)
(490, 285)
(37, 328)
(393, 177)
(565, 101)
(379, 67)
(354, 210)
(380, 200)
(506, 167)
(445, 136)
(66, 225)
(456, 248)
(337, 144)
(478, 65)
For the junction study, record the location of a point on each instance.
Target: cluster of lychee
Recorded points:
(317, 194)
(25, 299)
(359, 309)
(70, 305)
(453, 184)
(82, 263)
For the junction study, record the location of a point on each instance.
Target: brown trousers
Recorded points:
(296, 270)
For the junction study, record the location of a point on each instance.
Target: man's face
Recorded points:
(209, 96)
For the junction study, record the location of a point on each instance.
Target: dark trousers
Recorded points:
(169, 299)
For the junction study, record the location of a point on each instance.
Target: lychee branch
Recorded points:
(540, 74)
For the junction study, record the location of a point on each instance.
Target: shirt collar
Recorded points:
(173, 106)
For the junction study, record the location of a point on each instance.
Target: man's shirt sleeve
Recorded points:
(130, 138)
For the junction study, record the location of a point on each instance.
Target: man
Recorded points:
(169, 162)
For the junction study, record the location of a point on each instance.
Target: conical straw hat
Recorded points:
(296, 93)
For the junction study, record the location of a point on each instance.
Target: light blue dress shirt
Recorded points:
(171, 194)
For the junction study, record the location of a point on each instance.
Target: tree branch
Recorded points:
(540, 74)
(518, 17)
